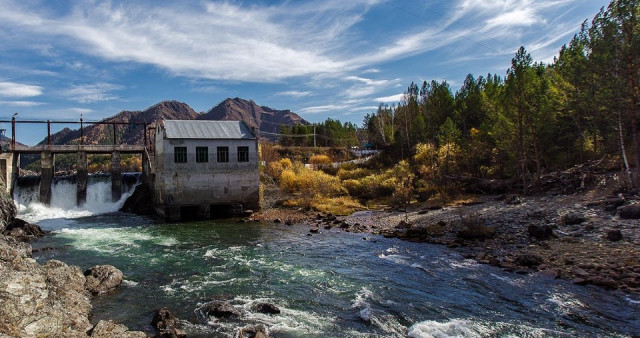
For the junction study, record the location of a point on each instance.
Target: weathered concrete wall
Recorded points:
(116, 176)
(211, 182)
(82, 176)
(46, 176)
(9, 169)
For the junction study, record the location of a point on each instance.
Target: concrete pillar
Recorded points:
(82, 175)
(15, 172)
(116, 179)
(46, 176)
(7, 170)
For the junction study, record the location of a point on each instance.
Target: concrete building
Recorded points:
(204, 168)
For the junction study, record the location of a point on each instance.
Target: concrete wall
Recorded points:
(213, 183)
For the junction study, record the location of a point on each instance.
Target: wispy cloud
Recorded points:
(322, 109)
(12, 89)
(390, 99)
(22, 103)
(294, 93)
(89, 93)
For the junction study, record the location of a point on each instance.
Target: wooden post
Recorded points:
(82, 176)
(114, 133)
(81, 131)
(48, 133)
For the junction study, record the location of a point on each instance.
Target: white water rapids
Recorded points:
(64, 200)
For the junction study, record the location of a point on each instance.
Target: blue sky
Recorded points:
(320, 59)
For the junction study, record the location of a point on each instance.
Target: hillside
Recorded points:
(263, 118)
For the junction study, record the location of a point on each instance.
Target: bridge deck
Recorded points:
(88, 148)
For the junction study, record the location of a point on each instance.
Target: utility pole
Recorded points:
(314, 135)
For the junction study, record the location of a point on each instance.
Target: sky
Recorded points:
(321, 59)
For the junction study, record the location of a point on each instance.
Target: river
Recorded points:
(332, 284)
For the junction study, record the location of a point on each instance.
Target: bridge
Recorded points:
(10, 157)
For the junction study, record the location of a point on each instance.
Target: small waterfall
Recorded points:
(63, 196)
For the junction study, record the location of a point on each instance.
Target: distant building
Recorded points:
(204, 168)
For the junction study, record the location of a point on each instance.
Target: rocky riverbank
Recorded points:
(51, 299)
(587, 237)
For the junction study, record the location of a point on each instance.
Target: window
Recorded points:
(223, 154)
(243, 154)
(180, 154)
(202, 154)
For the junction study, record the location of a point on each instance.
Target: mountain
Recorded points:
(263, 118)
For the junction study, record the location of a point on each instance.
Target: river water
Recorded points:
(331, 284)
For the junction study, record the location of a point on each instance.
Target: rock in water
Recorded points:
(256, 331)
(267, 308)
(102, 278)
(630, 212)
(166, 324)
(23, 231)
(219, 309)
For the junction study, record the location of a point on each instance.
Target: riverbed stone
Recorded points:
(573, 218)
(109, 329)
(267, 308)
(540, 231)
(630, 211)
(219, 309)
(102, 278)
(614, 235)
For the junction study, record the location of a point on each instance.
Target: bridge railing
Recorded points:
(14, 147)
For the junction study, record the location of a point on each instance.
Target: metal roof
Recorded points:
(207, 129)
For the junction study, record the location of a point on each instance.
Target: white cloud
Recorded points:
(390, 99)
(518, 17)
(294, 93)
(22, 103)
(322, 109)
(92, 92)
(12, 89)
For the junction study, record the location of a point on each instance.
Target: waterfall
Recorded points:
(63, 197)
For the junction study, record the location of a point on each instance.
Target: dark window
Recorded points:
(243, 154)
(223, 154)
(202, 154)
(180, 154)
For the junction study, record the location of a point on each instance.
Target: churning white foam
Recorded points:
(64, 201)
(452, 328)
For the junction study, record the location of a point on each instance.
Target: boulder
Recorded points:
(267, 308)
(219, 309)
(166, 324)
(605, 282)
(108, 329)
(630, 211)
(573, 218)
(23, 231)
(540, 231)
(255, 331)
(614, 235)
(102, 278)
(314, 230)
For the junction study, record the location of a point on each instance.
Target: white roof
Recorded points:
(207, 129)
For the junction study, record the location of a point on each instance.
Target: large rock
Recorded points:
(219, 309)
(255, 331)
(614, 235)
(8, 209)
(166, 324)
(528, 260)
(109, 329)
(630, 211)
(23, 231)
(267, 308)
(102, 278)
